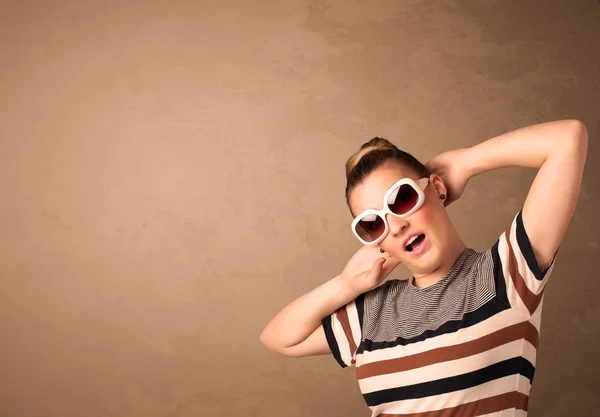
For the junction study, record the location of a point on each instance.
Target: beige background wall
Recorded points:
(171, 175)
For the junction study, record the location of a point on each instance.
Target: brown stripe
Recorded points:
(489, 405)
(530, 299)
(524, 330)
(342, 315)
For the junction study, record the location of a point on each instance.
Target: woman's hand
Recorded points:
(368, 268)
(452, 167)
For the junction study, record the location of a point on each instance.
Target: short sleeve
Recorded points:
(518, 268)
(343, 330)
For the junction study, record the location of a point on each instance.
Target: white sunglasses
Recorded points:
(401, 200)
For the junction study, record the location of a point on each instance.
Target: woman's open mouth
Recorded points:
(417, 245)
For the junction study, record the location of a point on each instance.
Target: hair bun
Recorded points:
(375, 144)
(378, 143)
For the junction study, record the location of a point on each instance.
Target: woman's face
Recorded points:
(430, 219)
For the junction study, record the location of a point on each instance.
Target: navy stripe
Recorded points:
(498, 370)
(527, 250)
(499, 279)
(489, 309)
(335, 350)
(360, 308)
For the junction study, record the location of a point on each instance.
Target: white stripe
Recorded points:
(536, 317)
(449, 368)
(438, 402)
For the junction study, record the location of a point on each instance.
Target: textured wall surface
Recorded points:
(172, 175)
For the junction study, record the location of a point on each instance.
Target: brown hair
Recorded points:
(372, 155)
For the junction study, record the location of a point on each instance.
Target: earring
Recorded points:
(381, 250)
(442, 196)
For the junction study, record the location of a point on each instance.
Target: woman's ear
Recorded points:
(438, 184)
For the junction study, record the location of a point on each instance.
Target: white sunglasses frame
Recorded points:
(419, 186)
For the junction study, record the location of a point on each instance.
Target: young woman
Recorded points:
(460, 336)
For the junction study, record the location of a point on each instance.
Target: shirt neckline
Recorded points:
(456, 266)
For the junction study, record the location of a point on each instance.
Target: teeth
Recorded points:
(412, 239)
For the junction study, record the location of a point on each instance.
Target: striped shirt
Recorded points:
(464, 346)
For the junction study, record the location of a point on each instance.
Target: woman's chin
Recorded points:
(426, 262)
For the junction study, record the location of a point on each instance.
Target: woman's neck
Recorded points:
(451, 256)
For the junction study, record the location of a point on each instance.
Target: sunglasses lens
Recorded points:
(370, 227)
(403, 199)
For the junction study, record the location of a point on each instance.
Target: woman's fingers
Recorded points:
(375, 271)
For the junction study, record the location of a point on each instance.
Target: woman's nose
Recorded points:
(396, 224)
